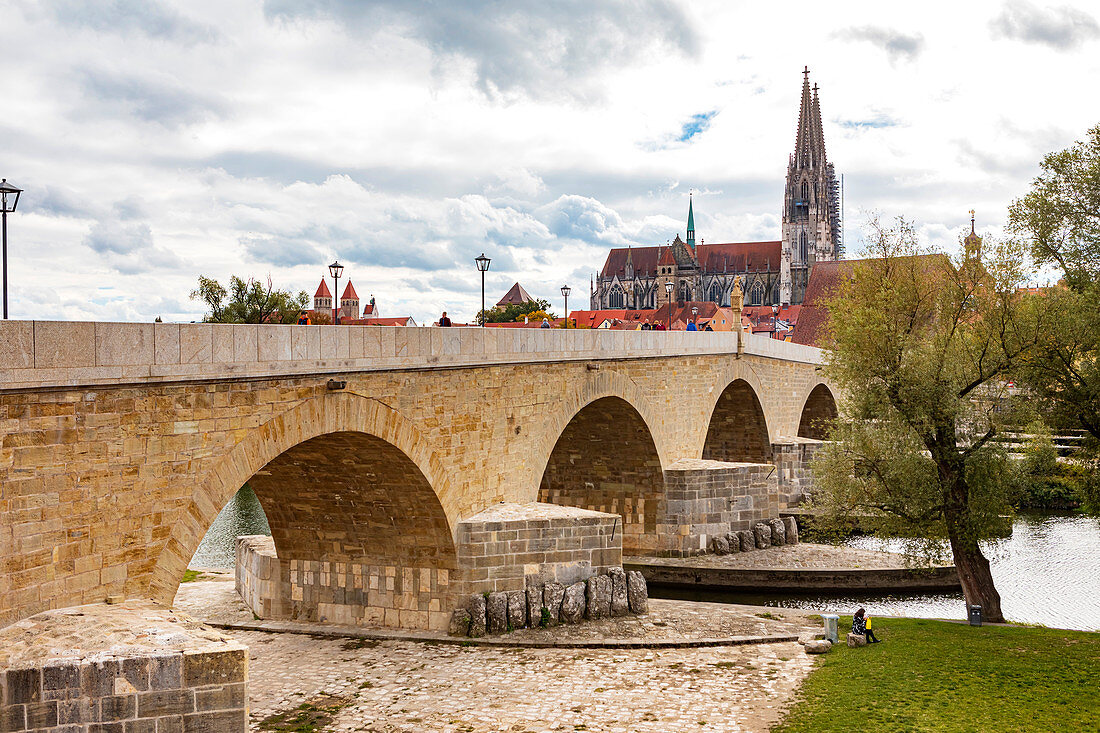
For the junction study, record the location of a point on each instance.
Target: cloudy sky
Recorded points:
(159, 140)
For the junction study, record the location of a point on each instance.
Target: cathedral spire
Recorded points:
(691, 224)
(803, 144)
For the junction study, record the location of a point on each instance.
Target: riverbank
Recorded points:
(800, 568)
(933, 675)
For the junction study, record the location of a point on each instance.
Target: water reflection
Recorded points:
(242, 515)
(1046, 573)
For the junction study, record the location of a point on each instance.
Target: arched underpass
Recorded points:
(606, 460)
(817, 414)
(359, 532)
(738, 431)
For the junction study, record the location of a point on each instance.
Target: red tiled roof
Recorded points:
(825, 277)
(400, 321)
(368, 309)
(322, 290)
(728, 257)
(349, 293)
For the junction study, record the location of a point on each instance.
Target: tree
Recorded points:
(515, 312)
(1060, 219)
(919, 346)
(248, 302)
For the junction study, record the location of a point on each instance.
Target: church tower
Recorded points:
(811, 205)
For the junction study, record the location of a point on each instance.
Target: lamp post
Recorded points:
(482, 265)
(668, 292)
(9, 198)
(694, 314)
(335, 269)
(566, 290)
(775, 320)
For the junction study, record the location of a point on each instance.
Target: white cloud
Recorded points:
(157, 141)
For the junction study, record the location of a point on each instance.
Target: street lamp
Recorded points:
(694, 314)
(775, 320)
(9, 197)
(482, 265)
(566, 290)
(335, 269)
(668, 292)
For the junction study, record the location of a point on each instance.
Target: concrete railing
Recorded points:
(35, 354)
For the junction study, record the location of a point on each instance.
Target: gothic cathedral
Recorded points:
(771, 272)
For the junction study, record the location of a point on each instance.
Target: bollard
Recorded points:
(975, 615)
(831, 620)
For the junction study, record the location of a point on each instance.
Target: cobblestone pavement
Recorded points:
(802, 555)
(408, 686)
(216, 601)
(417, 686)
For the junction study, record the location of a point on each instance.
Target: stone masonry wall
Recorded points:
(499, 549)
(707, 499)
(122, 669)
(793, 458)
(120, 443)
(605, 461)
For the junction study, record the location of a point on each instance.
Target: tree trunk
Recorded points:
(977, 581)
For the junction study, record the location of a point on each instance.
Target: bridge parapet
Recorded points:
(37, 354)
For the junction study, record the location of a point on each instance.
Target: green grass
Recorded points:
(939, 676)
(190, 576)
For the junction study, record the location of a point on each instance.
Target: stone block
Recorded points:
(16, 344)
(818, 646)
(792, 530)
(475, 605)
(747, 540)
(13, 718)
(22, 686)
(517, 609)
(496, 608)
(733, 542)
(214, 668)
(159, 703)
(637, 593)
(620, 602)
(196, 343)
(460, 623)
(230, 721)
(762, 534)
(124, 344)
(573, 604)
(552, 595)
(719, 546)
(117, 707)
(64, 344)
(41, 714)
(533, 590)
(221, 698)
(779, 532)
(856, 640)
(166, 672)
(598, 597)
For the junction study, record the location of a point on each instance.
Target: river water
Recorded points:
(1047, 572)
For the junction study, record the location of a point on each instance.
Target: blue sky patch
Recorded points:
(696, 125)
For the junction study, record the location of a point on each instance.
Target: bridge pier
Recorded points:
(498, 549)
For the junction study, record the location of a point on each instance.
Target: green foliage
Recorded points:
(1060, 219)
(309, 717)
(1061, 213)
(920, 346)
(248, 302)
(516, 312)
(190, 576)
(544, 617)
(940, 676)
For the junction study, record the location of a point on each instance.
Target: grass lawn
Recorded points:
(939, 676)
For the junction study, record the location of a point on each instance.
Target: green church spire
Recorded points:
(691, 224)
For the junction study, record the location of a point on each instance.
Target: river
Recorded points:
(1047, 572)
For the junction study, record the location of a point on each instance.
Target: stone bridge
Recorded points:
(381, 455)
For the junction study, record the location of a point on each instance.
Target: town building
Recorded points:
(322, 311)
(772, 273)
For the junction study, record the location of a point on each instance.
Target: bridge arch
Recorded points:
(605, 457)
(738, 429)
(818, 410)
(359, 450)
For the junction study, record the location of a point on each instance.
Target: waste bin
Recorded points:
(831, 620)
(975, 615)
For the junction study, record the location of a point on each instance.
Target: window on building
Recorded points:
(615, 297)
(805, 191)
(757, 293)
(715, 295)
(803, 247)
